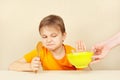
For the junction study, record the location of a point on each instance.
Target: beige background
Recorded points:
(92, 21)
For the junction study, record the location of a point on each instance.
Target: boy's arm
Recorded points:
(20, 65)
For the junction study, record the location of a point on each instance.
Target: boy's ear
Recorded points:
(64, 35)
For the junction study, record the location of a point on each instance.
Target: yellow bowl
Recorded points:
(80, 59)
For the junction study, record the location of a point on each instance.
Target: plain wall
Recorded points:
(91, 21)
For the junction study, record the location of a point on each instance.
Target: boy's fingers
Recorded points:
(80, 46)
(36, 59)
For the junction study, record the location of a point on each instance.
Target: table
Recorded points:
(61, 75)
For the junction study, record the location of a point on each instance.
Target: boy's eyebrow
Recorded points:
(54, 33)
(43, 35)
(51, 33)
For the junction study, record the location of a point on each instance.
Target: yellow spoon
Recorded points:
(39, 47)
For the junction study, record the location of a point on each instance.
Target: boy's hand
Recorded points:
(80, 46)
(35, 63)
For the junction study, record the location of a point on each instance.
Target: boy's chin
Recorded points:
(51, 49)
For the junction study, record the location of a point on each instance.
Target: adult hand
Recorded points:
(100, 51)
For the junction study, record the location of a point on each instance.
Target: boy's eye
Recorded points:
(44, 36)
(54, 35)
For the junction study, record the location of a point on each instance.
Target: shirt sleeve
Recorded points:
(29, 56)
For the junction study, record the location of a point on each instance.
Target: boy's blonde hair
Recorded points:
(53, 20)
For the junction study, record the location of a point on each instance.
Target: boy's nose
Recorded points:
(49, 39)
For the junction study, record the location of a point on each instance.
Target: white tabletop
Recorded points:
(61, 75)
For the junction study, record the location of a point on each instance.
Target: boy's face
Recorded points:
(52, 38)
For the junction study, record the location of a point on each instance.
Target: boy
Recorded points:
(50, 53)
